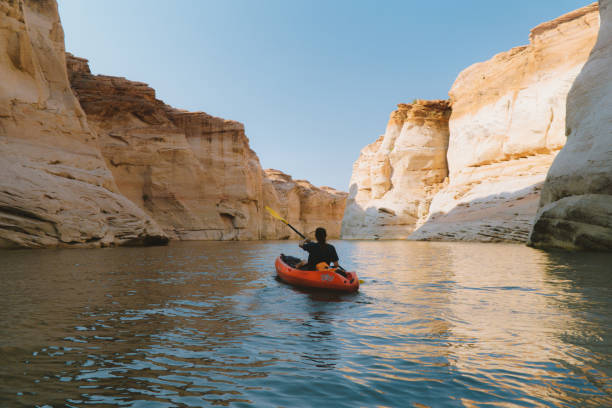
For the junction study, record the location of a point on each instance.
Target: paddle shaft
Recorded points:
(296, 231)
(278, 217)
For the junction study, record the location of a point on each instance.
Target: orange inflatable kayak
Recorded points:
(325, 279)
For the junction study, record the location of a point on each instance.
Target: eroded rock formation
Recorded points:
(195, 174)
(303, 205)
(507, 125)
(576, 203)
(55, 188)
(395, 177)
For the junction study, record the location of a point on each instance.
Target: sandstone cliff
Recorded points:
(55, 189)
(303, 205)
(576, 203)
(195, 174)
(395, 177)
(506, 126)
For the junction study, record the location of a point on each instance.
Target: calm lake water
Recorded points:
(206, 324)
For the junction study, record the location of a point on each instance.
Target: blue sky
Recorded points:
(314, 81)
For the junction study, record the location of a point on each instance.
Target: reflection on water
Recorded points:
(201, 324)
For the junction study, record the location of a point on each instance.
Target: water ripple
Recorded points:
(207, 324)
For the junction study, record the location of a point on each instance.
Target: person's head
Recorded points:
(320, 235)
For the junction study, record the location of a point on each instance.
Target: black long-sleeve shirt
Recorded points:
(319, 253)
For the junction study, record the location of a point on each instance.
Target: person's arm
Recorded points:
(334, 257)
(305, 244)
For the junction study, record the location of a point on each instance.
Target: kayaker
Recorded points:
(318, 252)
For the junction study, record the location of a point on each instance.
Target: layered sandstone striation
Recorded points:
(395, 178)
(507, 125)
(55, 188)
(193, 173)
(303, 205)
(576, 202)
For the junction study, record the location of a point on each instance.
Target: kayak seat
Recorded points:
(290, 260)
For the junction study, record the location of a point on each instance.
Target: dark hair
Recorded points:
(320, 234)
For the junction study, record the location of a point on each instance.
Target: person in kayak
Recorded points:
(318, 252)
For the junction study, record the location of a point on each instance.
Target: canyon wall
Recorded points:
(303, 205)
(576, 202)
(507, 125)
(117, 166)
(193, 173)
(395, 178)
(55, 188)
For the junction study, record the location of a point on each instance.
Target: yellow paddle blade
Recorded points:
(275, 214)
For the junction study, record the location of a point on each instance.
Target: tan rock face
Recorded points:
(507, 125)
(491, 203)
(514, 104)
(195, 174)
(395, 177)
(303, 205)
(576, 204)
(55, 189)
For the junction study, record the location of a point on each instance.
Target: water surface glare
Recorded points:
(206, 323)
